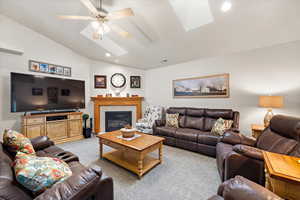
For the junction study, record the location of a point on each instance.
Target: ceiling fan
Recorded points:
(100, 18)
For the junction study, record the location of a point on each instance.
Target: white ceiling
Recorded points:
(158, 31)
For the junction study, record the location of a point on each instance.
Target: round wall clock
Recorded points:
(118, 80)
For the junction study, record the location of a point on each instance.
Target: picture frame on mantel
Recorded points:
(135, 82)
(213, 86)
(100, 82)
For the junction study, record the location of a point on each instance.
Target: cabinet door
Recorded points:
(75, 127)
(57, 130)
(33, 131)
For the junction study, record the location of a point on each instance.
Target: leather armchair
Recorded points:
(241, 155)
(239, 188)
(85, 183)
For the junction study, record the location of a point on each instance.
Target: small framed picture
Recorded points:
(135, 82)
(44, 67)
(59, 70)
(52, 69)
(100, 81)
(67, 71)
(34, 66)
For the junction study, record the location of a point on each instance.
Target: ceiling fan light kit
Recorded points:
(100, 17)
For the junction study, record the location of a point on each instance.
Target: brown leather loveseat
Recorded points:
(239, 188)
(194, 132)
(241, 155)
(85, 183)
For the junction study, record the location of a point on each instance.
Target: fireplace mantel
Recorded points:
(115, 101)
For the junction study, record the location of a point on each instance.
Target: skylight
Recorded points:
(192, 13)
(105, 43)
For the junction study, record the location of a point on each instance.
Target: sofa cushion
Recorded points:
(208, 138)
(39, 173)
(195, 112)
(56, 152)
(217, 113)
(166, 131)
(173, 110)
(209, 123)
(194, 122)
(187, 134)
(15, 142)
(181, 121)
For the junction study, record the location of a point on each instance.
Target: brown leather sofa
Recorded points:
(194, 129)
(85, 183)
(239, 188)
(240, 155)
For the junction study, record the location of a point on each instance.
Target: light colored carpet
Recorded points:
(183, 175)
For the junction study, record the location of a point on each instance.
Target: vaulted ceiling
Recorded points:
(175, 30)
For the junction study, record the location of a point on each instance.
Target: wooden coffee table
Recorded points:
(132, 155)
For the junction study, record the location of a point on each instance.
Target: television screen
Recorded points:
(41, 93)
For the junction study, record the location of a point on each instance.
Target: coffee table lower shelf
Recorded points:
(132, 162)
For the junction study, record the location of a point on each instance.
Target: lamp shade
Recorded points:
(271, 101)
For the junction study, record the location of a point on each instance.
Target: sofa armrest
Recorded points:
(237, 138)
(79, 186)
(41, 142)
(241, 188)
(249, 151)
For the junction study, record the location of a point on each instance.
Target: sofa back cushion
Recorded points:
(174, 110)
(273, 142)
(282, 136)
(194, 122)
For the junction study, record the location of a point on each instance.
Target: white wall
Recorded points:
(274, 70)
(102, 68)
(36, 47)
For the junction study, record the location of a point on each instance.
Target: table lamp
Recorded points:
(270, 102)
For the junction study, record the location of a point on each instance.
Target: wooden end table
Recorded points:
(257, 130)
(132, 155)
(282, 175)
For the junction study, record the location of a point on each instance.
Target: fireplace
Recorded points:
(115, 120)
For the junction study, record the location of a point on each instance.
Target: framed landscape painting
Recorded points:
(214, 86)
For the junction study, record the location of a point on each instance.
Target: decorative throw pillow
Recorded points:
(221, 125)
(39, 173)
(172, 120)
(17, 142)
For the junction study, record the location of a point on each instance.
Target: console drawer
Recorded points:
(35, 120)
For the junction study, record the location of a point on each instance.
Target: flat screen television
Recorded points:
(41, 93)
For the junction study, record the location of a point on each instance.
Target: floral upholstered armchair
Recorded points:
(152, 113)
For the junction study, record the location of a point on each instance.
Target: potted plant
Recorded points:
(86, 131)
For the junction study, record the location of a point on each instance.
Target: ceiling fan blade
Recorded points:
(120, 31)
(119, 14)
(90, 6)
(76, 17)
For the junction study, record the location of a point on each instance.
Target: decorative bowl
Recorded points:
(128, 133)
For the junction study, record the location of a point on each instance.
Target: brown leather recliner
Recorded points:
(194, 132)
(241, 155)
(85, 183)
(239, 188)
